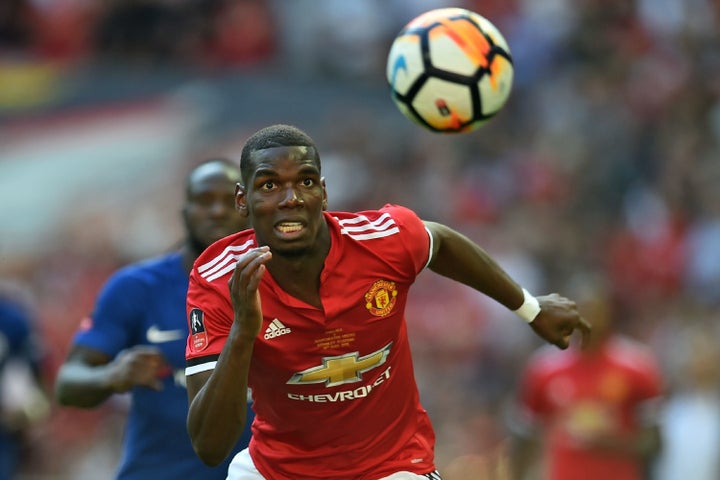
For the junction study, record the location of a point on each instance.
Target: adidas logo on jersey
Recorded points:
(275, 329)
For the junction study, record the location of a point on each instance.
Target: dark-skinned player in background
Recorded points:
(134, 340)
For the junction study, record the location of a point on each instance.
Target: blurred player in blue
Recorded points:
(135, 339)
(25, 402)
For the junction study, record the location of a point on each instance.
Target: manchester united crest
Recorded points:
(381, 297)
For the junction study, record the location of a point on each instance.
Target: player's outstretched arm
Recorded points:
(88, 377)
(553, 317)
(218, 399)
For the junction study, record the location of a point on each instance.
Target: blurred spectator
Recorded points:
(589, 413)
(691, 418)
(702, 276)
(242, 33)
(334, 38)
(145, 32)
(23, 399)
(32, 30)
(227, 33)
(650, 232)
(16, 24)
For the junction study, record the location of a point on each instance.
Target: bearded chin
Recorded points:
(291, 252)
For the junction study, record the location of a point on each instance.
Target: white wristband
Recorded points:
(530, 307)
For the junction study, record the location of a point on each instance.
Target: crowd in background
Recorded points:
(604, 161)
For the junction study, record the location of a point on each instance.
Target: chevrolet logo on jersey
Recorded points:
(341, 369)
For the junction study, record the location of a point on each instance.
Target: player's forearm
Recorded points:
(83, 386)
(218, 412)
(460, 259)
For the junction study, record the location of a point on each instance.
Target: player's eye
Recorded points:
(267, 186)
(308, 182)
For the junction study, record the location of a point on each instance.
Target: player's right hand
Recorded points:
(244, 292)
(139, 366)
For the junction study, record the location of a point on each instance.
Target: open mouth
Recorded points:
(289, 227)
(290, 230)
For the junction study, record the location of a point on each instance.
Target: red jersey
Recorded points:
(576, 394)
(334, 389)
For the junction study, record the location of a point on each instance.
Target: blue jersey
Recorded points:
(144, 304)
(16, 345)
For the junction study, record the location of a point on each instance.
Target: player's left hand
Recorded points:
(558, 319)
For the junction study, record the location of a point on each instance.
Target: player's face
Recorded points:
(210, 212)
(285, 197)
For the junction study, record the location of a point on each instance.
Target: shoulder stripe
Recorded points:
(225, 262)
(370, 236)
(362, 228)
(227, 269)
(210, 275)
(379, 224)
(229, 249)
(359, 218)
(363, 219)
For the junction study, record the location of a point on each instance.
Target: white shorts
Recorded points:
(243, 468)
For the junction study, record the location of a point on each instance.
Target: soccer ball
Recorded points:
(450, 70)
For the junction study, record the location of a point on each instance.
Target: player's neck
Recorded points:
(300, 282)
(299, 275)
(301, 268)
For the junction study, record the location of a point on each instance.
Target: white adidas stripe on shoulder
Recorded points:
(362, 228)
(231, 248)
(224, 262)
(361, 218)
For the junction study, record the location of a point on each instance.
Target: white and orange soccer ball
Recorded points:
(450, 70)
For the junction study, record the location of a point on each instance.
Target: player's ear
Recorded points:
(324, 190)
(241, 200)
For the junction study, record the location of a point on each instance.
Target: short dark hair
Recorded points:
(279, 135)
(226, 163)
